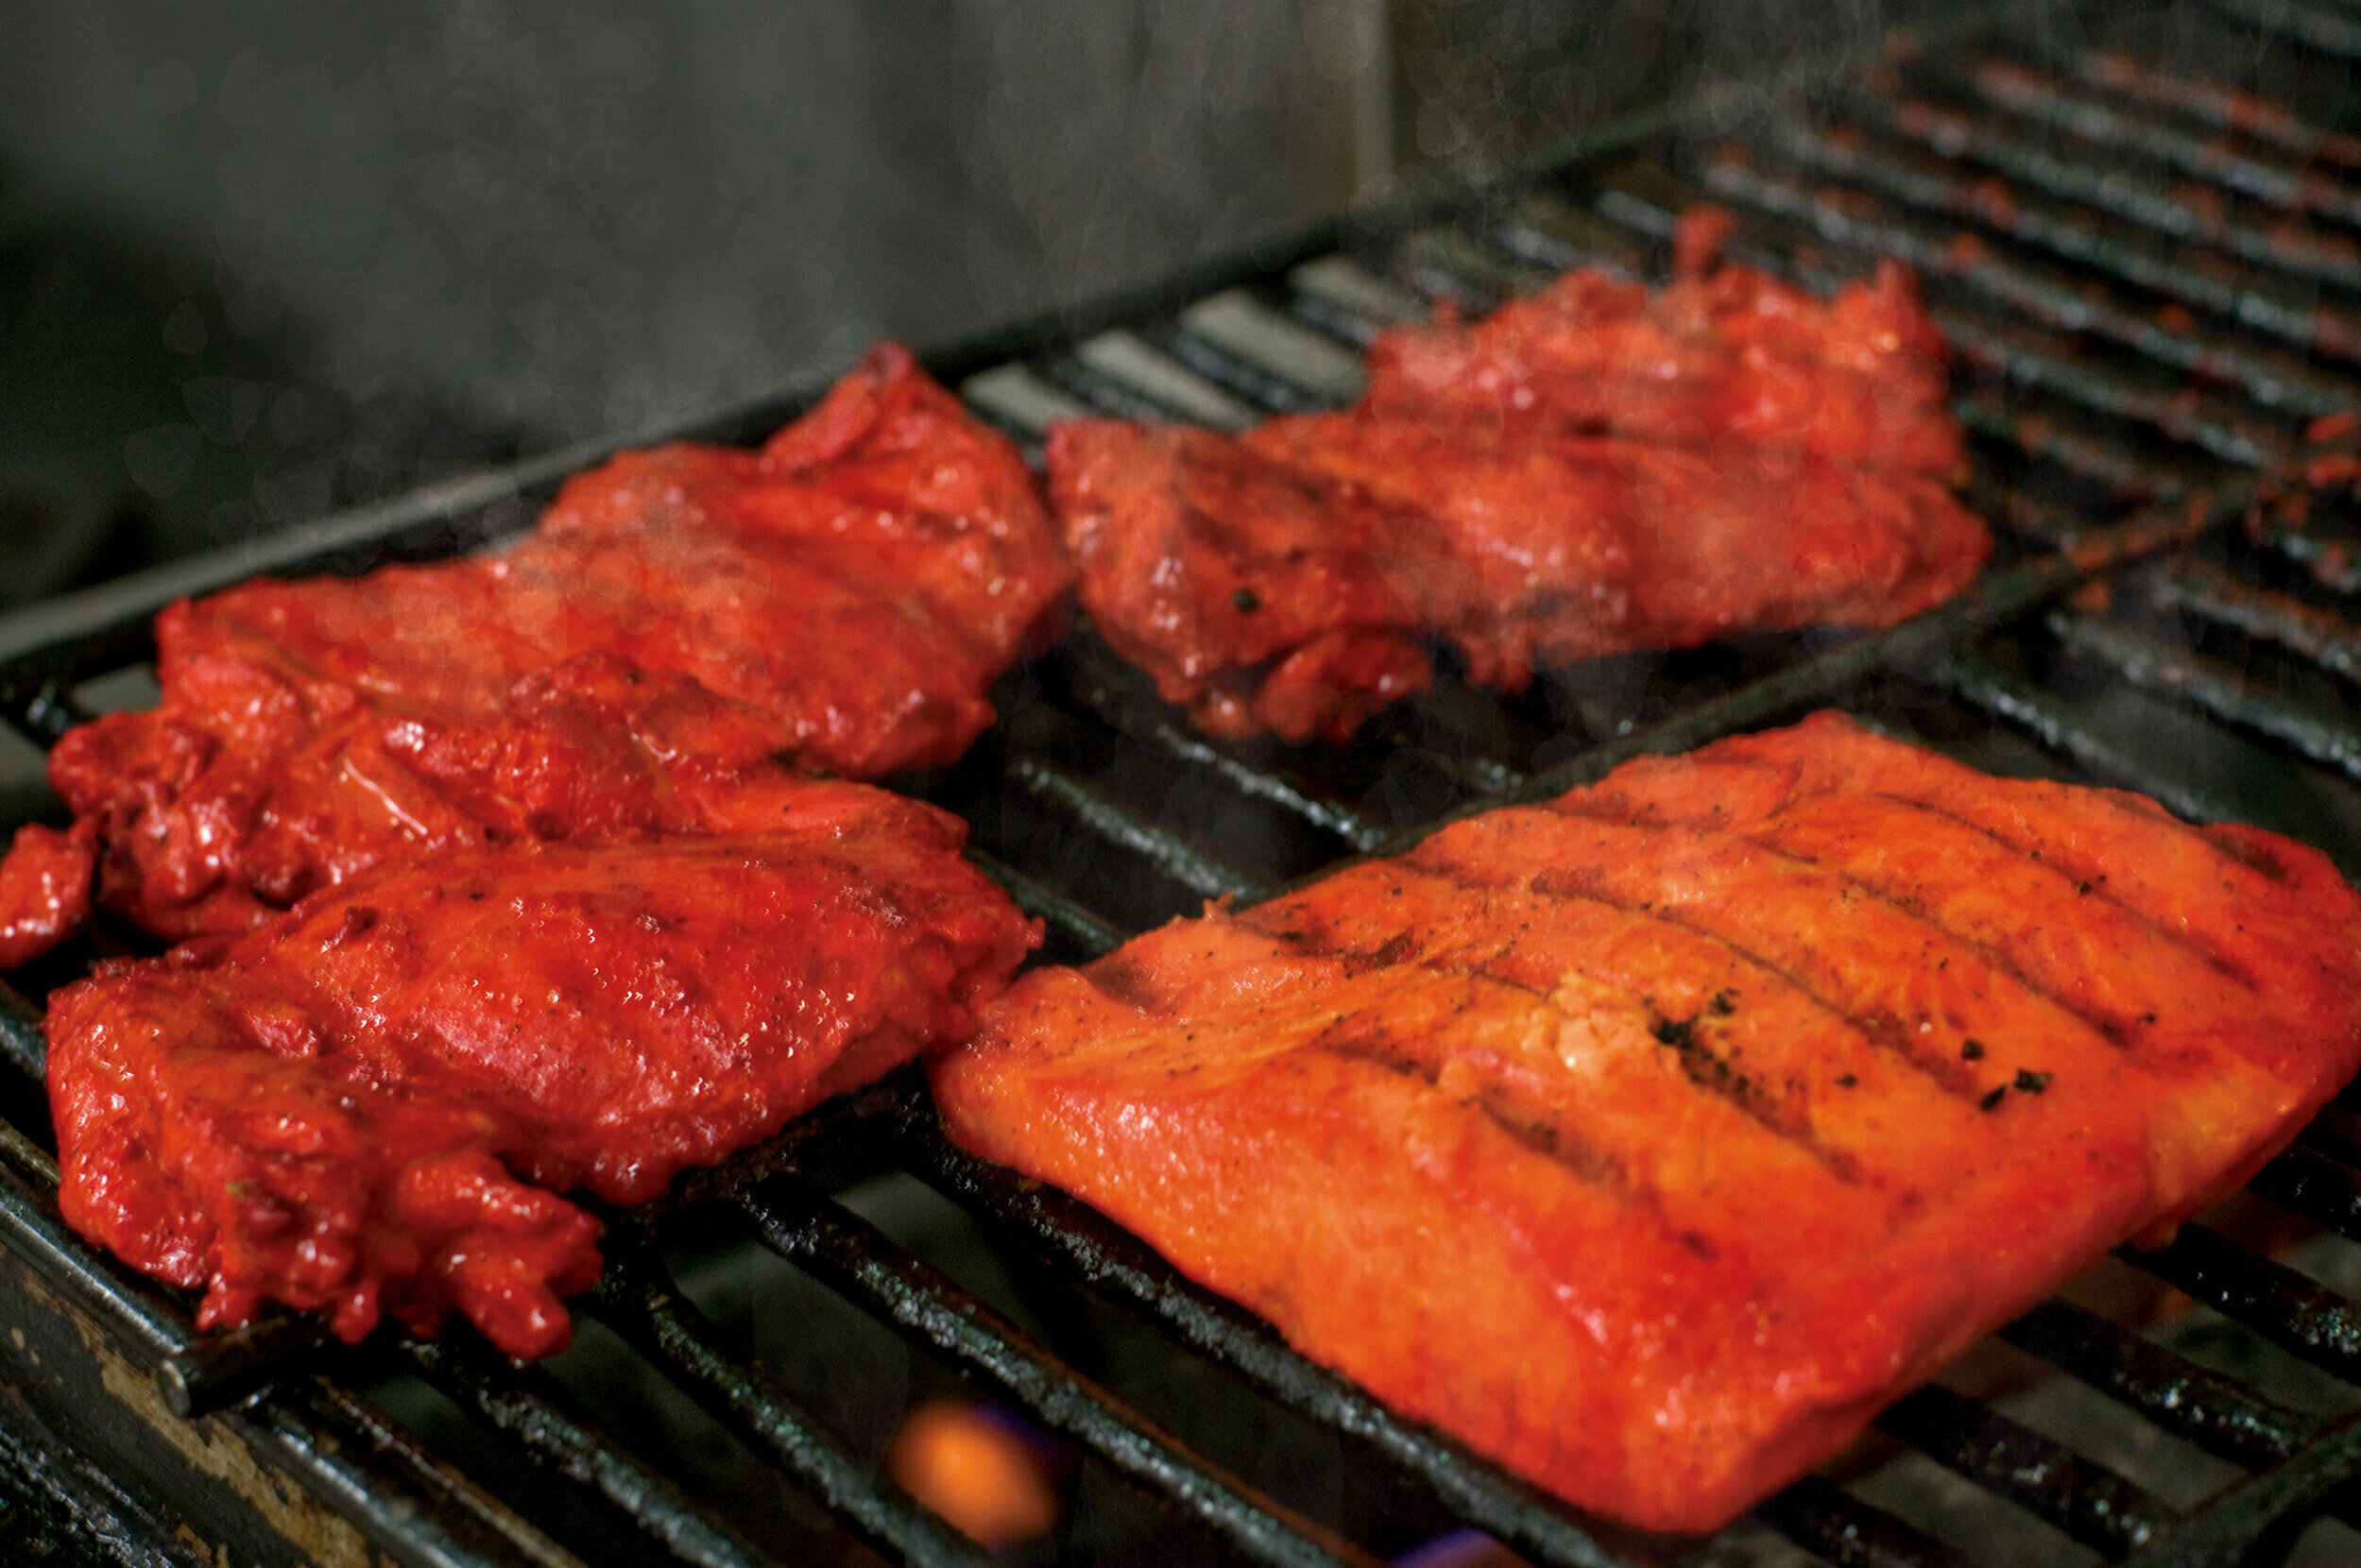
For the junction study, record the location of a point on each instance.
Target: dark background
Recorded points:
(260, 260)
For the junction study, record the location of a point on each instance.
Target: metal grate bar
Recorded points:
(1237, 324)
(855, 1258)
(2082, 456)
(2090, 1502)
(1076, 1241)
(1981, 138)
(2283, 1307)
(1020, 402)
(1545, 229)
(2030, 519)
(2321, 1188)
(318, 1406)
(217, 1370)
(637, 1299)
(2325, 638)
(1250, 377)
(2156, 666)
(2215, 1413)
(2196, 422)
(2056, 725)
(2308, 327)
(1114, 694)
(2222, 108)
(1346, 285)
(526, 1405)
(1076, 925)
(1092, 810)
(1103, 395)
(1830, 1522)
(2059, 307)
(323, 1427)
(2257, 1520)
(2333, 557)
(2328, 31)
(1454, 265)
(1126, 357)
(2039, 96)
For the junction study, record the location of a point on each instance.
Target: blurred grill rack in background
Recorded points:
(2152, 286)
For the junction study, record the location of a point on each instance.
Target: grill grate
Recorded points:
(2153, 284)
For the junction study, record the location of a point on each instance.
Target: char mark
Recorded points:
(2114, 1031)
(1886, 1034)
(2221, 964)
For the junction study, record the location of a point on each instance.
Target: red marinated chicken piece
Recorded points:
(202, 831)
(1598, 469)
(369, 1103)
(865, 576)
(840, 600)
(1652, 1140)
(1569, 547)
(1725, 356)
(1284, 580)
(1261, 597)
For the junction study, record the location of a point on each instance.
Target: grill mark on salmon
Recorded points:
(2203, 951)
(1710, 1073)
(2112, 1031)
(1881, 1033)
(2107, 1028)
(1530, 1126)
(1784, 775)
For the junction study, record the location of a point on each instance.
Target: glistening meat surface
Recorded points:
(863, 576)
(1722, 355)
(840, 601)
(1598, 469)
(1653, 1139)
(369, 1104)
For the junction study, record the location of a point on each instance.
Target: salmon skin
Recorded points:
(1653, 1139)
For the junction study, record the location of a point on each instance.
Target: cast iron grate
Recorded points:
(2154, 288)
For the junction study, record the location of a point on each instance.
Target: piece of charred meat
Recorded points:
(1265, 597)
(1598, 469)
(369, 1103)
(1653, 1139)
(1725, 359)
(1569, 547)
(838, 600)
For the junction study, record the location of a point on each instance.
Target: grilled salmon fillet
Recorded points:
(1653, 1139)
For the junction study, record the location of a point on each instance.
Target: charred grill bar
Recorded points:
(2153, 286)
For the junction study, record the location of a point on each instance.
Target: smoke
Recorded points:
(563, 219)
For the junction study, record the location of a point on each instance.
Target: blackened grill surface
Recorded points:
(2152, 285)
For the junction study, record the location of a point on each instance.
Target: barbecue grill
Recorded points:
(2152, 285)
